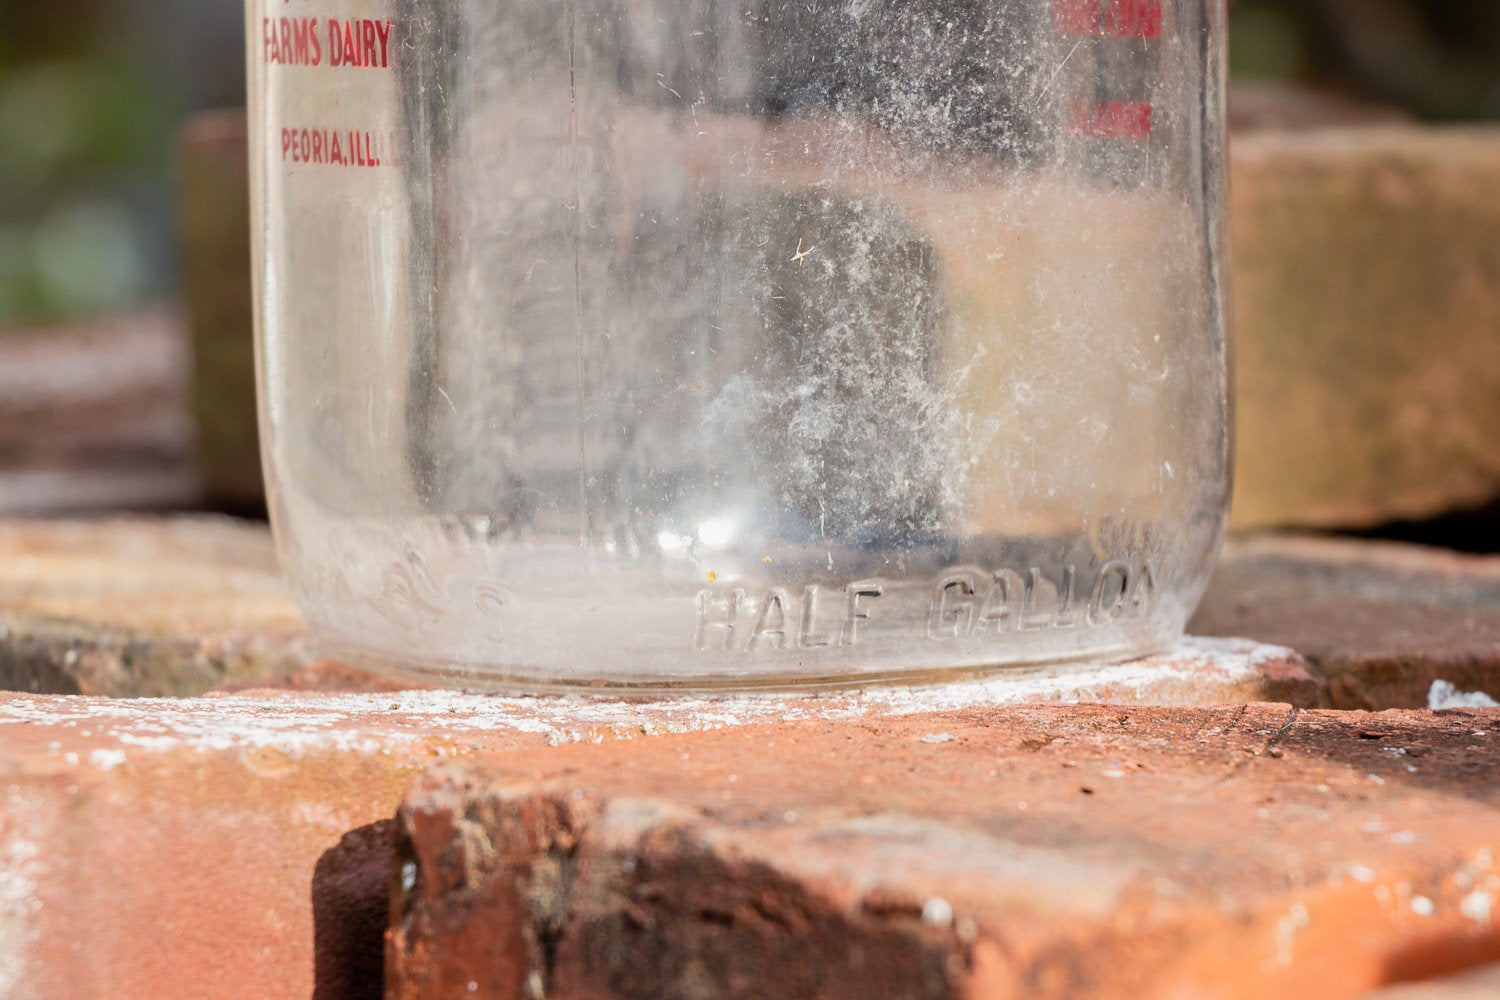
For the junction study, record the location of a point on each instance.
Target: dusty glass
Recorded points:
(689, 342)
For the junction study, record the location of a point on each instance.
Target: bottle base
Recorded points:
(795, 678)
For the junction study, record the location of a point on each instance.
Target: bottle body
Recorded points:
(701, 344)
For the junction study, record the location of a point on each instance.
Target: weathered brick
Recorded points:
(136, 606)
(1039, 852)
(1378, 622)
(1366, 277)
(244, 830)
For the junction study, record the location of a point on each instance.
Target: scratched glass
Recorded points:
(694, 343)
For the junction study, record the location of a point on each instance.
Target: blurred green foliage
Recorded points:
(89, 101)
(80, 139)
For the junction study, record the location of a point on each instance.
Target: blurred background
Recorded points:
(108, 167)
(1436, 59)
(92, 93)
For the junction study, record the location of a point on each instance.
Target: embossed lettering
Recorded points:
(1030, 618)
(1005, 590)
(967, 601)
(855, 614)
(770, 627)
(963, 602)
(953, 606)
(1065, 616)
(717, 619)
(719, 615)
(1110, 589)
(1145, 589)
(408, 599)
(805, 637)
(490, 602)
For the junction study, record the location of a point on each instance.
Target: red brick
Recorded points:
(208, 821)
(142, 606)
(1036, 852)
(1378, 622)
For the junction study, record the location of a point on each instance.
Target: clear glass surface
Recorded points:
(695, 343)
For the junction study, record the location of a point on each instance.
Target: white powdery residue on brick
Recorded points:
(1226, 660)
(1445, 694)
(1191, 658)
(147, 742)
(107, 760)
(286, 724)
(1476, 906)
(1237, 657)
(366, 723)
(18, 904)
(20, 871)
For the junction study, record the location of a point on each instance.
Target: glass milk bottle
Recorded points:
(688, 343)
